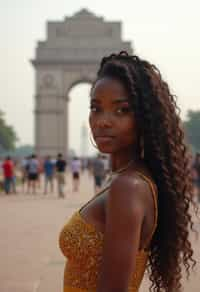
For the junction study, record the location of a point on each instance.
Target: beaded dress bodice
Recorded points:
(82, 244)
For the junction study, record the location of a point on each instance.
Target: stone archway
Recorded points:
(70, 55)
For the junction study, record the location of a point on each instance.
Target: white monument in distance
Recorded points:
(70, 55)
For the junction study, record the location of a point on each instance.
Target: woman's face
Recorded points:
(111, 117)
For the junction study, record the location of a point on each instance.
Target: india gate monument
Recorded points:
(70, 55)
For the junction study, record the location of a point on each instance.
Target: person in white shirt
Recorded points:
(33, 170)
(75, 169)
(24, 173)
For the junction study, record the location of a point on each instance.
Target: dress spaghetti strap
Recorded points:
(154, 193)
(99, 193)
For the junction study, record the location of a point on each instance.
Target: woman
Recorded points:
(76, 169)
(141, 218)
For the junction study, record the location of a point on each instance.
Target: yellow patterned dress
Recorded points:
(82, 244)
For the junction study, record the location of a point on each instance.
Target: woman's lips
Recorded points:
(103, 139)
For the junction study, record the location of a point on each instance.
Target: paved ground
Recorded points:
(29, 226)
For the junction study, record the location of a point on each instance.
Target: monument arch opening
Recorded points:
(78, 121)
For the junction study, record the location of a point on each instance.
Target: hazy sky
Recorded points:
(164, 32)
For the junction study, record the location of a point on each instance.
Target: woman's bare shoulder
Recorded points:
(129, 190)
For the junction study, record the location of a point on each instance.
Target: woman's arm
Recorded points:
(124, 218)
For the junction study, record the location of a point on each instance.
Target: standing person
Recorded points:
(106, 162)
(40, 171)
(76, 169)
(142, 217)
(60, 169)
(48, 173)
(33, 169)
(1, 176)
(98, 172)
(89, 167)
(24, 173)
(27, 172)
(14, 178)
(8, 172)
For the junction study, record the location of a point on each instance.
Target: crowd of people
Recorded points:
(27, 173)
(32, 173)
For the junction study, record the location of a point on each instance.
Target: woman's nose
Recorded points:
(105, 120)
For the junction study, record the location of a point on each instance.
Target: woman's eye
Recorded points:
(93, 108)
(123, 110)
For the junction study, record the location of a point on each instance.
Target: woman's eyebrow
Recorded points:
(121, 100)
(116, 101)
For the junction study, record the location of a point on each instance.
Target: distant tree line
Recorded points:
(8, 137)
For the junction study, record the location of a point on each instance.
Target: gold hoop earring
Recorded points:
(92, 142)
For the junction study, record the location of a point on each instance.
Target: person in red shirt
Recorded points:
(8, 171)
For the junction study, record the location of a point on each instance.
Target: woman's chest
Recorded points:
(79, 240)
(82, 235)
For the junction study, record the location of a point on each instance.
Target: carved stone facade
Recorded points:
(70, 55)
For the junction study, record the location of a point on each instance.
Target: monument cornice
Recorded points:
(64, 62)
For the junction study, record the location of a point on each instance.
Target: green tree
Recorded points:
(192, 127)
(8, 136)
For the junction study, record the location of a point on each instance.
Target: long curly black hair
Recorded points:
(166, 156)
